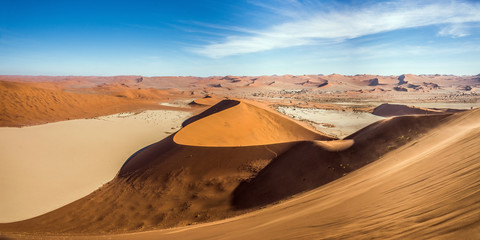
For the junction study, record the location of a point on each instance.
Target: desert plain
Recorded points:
(240, 157)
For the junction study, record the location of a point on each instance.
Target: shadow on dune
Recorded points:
(168, 184)
(164, 185)
(308, 165)
(389, 110)
(222, 105)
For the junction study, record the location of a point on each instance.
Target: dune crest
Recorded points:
(243, 124)
(233, 158)
(427, 189)
(24, 104)
(169, 184)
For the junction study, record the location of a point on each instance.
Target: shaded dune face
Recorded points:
(226, 124)
(233, 157)
(164, 185)
(310, 164)
(218, 107)
(206, 101)
(427, 189)
(388, 110)
(169, 184)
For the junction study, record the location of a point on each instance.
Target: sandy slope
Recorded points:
(243, 124)
(168, 184)
(309, 165)
(179, 181)
(47, 166)
(23, 104)
(427, 189)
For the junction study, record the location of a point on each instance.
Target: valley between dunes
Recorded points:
(238, 169)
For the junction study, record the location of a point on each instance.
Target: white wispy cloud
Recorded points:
(340, 25)
(454, 30)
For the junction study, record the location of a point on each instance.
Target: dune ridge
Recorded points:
(169, 184)
(242, 124)
(310, 164)
(426, 189)
(24, 104)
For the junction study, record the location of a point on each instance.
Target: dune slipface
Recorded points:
(310, 164)
(180, 182)
(426, 189)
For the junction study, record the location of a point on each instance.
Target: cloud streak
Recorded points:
(340, 25)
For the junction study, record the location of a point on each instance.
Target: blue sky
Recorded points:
(245, 37)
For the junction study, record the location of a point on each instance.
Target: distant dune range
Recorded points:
(30, 100)
(24, 104)
(238, 155)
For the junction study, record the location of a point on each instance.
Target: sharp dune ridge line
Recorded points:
(423, 190)
(243, 124)
(211, 183)
(241, 170)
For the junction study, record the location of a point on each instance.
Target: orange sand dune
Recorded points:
(23, 104)
(308, 165)
(243, 124)
(426, 189)
(126, 91)
(167, 184)
(226, 85)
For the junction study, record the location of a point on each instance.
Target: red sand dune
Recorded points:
(24, 104)
(168, 184)
(304, 88)
(243, 124)
(239, 156)
(427, 189)
(308, 165)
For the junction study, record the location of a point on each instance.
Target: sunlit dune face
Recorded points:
(244, 125)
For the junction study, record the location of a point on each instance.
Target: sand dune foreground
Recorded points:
(427, 187)
(240, 170)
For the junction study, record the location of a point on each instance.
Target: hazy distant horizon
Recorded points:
(317, 74)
